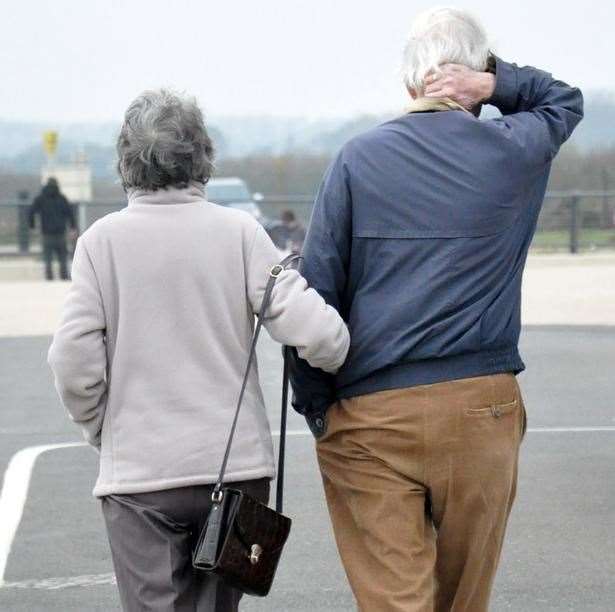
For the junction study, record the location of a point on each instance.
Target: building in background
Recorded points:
(74, 178)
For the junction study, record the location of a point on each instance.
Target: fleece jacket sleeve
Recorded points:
(77, 355)
(297, 316)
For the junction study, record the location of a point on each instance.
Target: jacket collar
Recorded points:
(422, 105)
(195, 192)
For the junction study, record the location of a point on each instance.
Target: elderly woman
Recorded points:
(152, 346)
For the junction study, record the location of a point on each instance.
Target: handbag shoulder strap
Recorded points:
(279, 490)
(217, 492)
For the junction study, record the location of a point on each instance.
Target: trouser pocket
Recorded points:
(523, 419)
(495, 410)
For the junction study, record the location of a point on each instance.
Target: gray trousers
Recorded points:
(152, 536)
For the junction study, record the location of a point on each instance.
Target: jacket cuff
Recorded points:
(311, 404)
(315, 414)
(317, 424)
(506, 89)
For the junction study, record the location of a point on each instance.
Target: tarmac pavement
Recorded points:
(559, 554)
(560, 550)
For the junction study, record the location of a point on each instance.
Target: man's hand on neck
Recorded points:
(467, 87)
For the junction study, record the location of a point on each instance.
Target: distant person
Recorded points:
(151, 350)
(294, 231)
(56, 213)
(287, 233)
(419, 238)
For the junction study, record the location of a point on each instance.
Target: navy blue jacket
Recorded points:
(419, 237)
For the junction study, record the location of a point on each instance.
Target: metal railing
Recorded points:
(586, 218)
(16, 237)
(573, 221)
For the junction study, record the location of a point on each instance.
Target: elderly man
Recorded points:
(419, 238)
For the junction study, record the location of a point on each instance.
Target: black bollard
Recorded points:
(574, 224)
(23, 226)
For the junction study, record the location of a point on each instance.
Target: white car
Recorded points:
(234, 192)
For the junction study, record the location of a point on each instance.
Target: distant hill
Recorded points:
(21, 152)
(597, 130)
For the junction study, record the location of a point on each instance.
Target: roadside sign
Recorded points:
(50, 142)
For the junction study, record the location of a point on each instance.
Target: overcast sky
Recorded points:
(75, 60)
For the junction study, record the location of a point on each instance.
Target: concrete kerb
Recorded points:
(557, 290)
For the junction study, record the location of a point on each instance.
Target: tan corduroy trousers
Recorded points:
(419, 483)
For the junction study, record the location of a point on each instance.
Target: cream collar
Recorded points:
(195, 192)
(421, 105)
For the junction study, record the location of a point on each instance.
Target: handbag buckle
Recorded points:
(276, 270)
(255, 554)
(216, 496)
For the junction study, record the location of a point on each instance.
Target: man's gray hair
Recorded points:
(163, 142)
(439, 36)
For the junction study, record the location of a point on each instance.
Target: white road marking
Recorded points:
(307, 432)
(53, 584)
(569, 429)
(15, 492)
(293, 432)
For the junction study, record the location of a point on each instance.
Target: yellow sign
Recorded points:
(50, 142)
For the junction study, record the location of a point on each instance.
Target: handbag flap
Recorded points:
(256, 523)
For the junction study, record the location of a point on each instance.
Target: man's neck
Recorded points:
(423, 104)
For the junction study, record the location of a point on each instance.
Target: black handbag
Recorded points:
(242, 540)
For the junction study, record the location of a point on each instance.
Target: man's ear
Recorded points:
(412, 92)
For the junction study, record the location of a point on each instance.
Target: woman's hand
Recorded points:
(461, 84)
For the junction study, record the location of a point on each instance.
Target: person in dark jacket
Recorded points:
(288, 234)
(419, 237)
(55, 213)
(295, 231)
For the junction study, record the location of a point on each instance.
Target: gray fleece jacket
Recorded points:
(154, 336)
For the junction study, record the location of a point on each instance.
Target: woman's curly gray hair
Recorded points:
(163, 143)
